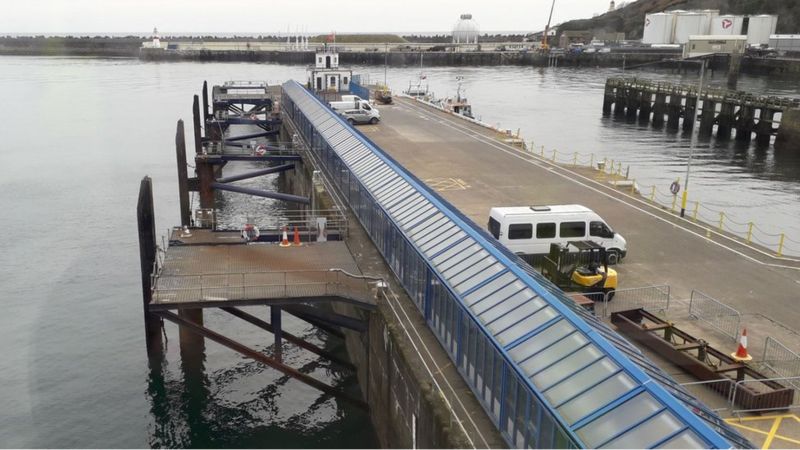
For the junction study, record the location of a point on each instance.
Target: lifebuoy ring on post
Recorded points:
(261, 150)
(250, 232)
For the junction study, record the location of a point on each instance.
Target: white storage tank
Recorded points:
(785, 42)
(727, 24)
(689, 24)
(760, 28)
(658, 28)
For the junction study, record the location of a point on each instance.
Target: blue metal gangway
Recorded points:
(549, 374)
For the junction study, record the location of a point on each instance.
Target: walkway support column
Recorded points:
(147, 258)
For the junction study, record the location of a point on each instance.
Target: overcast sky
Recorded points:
(274, 16)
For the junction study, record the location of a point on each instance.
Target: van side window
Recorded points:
(572, 229)
(545, 230)
(494, 228)
(600, 229)
(520, 231)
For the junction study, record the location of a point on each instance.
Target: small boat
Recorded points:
(459, 105)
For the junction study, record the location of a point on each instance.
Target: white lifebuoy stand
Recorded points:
(322, 231)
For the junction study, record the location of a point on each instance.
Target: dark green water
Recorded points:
(78, 136)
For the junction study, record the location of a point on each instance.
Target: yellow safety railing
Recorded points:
(718, 220)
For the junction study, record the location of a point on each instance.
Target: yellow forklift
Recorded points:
(581, 266)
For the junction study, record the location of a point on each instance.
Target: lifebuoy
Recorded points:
(261, 150)
(674, 188)
(250, 232)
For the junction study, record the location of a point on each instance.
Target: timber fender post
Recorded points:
(147, 256)
(183, 175)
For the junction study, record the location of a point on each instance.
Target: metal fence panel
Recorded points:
(715, 313)
(654, 299)
(781, 360)
(359, 90)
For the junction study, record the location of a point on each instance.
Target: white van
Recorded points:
(529, 230)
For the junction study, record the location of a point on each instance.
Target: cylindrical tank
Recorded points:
(658, 28)
(689, 24)
(785, 42)
(760, 27)
(727, 24)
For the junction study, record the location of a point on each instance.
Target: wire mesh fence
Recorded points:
(779, 359)
(654, 299)
(715, 313)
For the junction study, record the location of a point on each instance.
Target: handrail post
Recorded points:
(780, 245)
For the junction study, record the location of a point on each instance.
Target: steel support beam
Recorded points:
(254, 135)
(328, 317)
(256, 173)
(183, 176)
(224, 158)
(288, 336)
(260, 193)
(260, 357)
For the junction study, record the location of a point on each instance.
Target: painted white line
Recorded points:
(556, 170)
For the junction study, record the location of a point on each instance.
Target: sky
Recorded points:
(276, 16)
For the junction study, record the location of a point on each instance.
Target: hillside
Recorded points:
(630, 18)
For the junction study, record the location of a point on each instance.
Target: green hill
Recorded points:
(629, 19)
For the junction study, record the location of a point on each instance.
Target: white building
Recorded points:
(466, 30)
(326, 75)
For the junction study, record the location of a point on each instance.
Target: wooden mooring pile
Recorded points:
(667, 103)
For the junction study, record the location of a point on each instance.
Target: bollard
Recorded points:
(591, 160)
(575, 160)
(554, 155)
(543, 151)
(611, 168)
(721, 220)
(696, 208)
(780, 245)
(633, 187)
(749, 232)
(627, 171)
(653, 194)
(674, 201)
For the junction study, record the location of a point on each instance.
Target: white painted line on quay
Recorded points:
(556, 170)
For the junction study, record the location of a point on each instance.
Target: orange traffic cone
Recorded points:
(285, 239)
(297, 242)
(741, 352)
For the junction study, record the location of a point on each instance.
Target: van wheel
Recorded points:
(373, 121)
(612, 257)
(351, 121)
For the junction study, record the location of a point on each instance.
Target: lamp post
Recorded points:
(695, 132)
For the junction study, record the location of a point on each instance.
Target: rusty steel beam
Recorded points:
(256, 173)
(260, 357)
(288, 336)
(260, 193)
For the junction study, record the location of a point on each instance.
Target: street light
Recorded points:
(694, 135)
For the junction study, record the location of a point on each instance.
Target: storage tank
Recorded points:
(688, 24)
(658, 28)
(727, 24)
(760, 27)
(785, 42)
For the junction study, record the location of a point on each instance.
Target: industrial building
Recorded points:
(675, 27)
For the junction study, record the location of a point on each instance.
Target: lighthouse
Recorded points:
(156, 39)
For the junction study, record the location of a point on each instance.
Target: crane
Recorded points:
(545, 46)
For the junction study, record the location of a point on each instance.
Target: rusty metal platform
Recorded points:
(200, 275)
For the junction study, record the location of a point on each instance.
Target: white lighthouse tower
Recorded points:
(156, 39)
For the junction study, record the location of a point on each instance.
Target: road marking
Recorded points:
(555, 169)
(770, 435)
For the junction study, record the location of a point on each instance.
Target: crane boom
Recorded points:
(545, 46)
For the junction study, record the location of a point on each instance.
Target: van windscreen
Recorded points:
(494, 228)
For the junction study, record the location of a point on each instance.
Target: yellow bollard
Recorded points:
(591, 161)
(674, 201)
(749, 232)
(653, 194)
(633, 187)
(575, 160)
(694, 214)
(554, 155)
(780, 245)
(721, 219)
(543, 151)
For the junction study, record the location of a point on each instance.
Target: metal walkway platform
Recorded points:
(196, 275)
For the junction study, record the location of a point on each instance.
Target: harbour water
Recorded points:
(79, 134)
